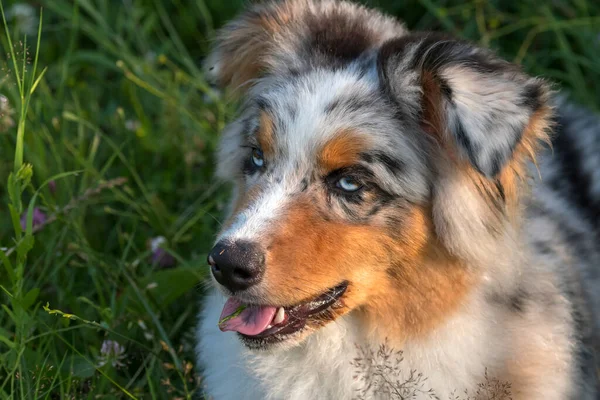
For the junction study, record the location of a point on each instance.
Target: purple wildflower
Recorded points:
(112, 353)
(160, 256)
(39, 218)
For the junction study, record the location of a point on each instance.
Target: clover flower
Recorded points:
(24, 17)
(111, 353)
(6, 113)
(159, 255)
(132, 125)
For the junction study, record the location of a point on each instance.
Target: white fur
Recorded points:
(321, 367)
(454, 357)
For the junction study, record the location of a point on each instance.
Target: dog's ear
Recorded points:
(241, 48)
(463, 94)
(488, 119)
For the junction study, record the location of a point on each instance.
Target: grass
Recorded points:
(114, 148)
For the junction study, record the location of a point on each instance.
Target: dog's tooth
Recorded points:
(279, 317)
(269, 326)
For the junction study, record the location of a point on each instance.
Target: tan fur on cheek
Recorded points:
(307, 255)
(406, 280)
(413, 233)
(422, 287)
(416, 298)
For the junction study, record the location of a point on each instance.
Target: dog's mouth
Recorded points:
(268, 324)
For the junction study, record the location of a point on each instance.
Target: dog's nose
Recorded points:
(237, 265)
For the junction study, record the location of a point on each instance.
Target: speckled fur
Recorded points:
(450, 129)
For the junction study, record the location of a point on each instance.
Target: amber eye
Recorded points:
(348, 184)
(258, 158)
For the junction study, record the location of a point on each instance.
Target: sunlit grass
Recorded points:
(107, 138)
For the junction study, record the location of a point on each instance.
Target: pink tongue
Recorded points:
(251, 321)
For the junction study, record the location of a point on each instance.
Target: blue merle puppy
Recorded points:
(402, 189)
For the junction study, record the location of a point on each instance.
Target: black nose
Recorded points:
(237, 265)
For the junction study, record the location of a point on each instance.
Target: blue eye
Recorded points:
(348, 184)
(257, 158)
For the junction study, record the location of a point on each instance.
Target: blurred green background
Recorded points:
(120, 246)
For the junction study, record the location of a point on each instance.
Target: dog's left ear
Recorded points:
(464, 93)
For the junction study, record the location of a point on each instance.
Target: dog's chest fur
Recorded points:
(328, 364)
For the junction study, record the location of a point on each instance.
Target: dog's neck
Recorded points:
(347, 354)
(422, 296)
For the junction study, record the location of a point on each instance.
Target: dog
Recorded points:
(412, 217)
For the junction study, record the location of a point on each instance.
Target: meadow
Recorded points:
(107, 202)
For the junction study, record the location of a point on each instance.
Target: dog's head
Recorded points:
(372, 168)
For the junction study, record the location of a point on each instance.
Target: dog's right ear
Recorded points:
(242, 49)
